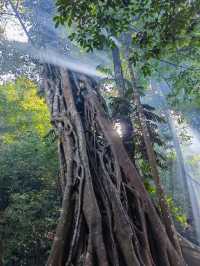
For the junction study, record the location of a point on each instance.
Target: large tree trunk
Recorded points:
(191, 252)
(107, 217)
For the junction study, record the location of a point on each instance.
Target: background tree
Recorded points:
(29, 189)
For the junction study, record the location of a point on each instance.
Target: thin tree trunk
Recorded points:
(167, 219)
(124, 120)
(14, 8)
(119, 78)
(185, 198)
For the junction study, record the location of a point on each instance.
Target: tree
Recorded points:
(70, 125)
(162, 33)
(29, 199)
(104, 200)
(119, 78)
(99, 23)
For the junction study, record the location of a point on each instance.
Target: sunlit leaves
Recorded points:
(177, 213)
(186, 87)
(28, 170)
(22, 109)
(157, 28)
(91, 18)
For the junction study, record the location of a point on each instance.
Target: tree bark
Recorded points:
(1, 237)
(167, 219)
(191, 252)
(1, 253)
(125, 121)
(119, 78)
(14, 8)
(107, 217)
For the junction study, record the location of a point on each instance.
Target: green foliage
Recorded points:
(124, 107)
(195, 159)
(171, 156)
(158, 31)
(95, 21)
(161, 22)
(177, 213)
(22, 110)
(120, 106)
(150, 187)
(28, 175)
(153, 121)
(156, 27)
(186, 87)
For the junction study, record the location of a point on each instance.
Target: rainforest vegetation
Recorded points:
(99, 133)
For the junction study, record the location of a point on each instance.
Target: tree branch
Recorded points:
(20, 20)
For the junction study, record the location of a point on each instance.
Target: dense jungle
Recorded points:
(99, 132)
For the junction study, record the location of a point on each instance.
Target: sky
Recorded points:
(14, 31)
